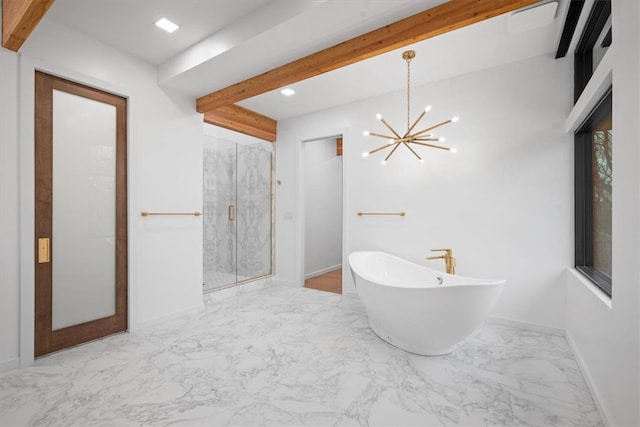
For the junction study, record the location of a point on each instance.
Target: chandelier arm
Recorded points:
(392, 151)
(389, 127)
(405, 139)
(379, 135)
(379, 149)
(408, 139)
(414, 124)
(432, 146)
(412, 150)
(446, 122)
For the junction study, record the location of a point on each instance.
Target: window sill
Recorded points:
(595, 290)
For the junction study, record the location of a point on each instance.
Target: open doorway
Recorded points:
(323, 214)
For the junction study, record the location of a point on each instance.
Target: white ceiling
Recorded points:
(221, 42)
(128, 24)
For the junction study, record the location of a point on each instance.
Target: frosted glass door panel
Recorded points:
(254, 211)
(83, 240)
(219, 224)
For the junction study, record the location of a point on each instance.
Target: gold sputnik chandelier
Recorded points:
(421, 137)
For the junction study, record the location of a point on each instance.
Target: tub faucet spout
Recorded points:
(449, 260)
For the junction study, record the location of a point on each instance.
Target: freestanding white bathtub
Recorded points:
(418, 309)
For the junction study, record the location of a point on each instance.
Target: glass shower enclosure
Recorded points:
(238, 212)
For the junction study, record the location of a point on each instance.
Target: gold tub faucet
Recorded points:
(449, 260)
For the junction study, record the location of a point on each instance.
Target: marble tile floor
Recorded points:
(285, 356)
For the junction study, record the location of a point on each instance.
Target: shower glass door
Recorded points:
(253, 219)
(219, 228)
(238, 205)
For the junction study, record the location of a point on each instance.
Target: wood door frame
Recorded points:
(45, 340)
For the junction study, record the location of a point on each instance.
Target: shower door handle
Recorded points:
(232, 212)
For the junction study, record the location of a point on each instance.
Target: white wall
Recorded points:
(165, 165)
(9, 212)
(503, 202)
(322, 206)
(605, 333)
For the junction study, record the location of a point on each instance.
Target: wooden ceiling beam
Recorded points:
(19, 18)
(441, 19)
(241, 120)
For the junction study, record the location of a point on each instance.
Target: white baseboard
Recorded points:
(322, 271)
(279, 282)
(586, 373)
(161, 319)
(10, 364)
(495, 320)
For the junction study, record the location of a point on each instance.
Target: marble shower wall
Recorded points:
(254, 219)
(238, 175)
(219, 236)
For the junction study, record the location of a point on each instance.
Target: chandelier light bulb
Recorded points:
(453, 150)
(391, 142)
(427, 108)
(365, 154)
(384, 162)
(455, 119)
(379, 116)
(365, 133)
(442, 139)
(421, 160)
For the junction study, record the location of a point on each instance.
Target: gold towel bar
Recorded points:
(381, 213)
(196, 213)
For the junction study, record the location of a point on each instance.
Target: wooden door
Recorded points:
(80, 214)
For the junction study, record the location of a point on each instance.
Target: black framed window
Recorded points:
(593, 195)
(595, 39)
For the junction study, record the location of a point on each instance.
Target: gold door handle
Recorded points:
(44, 250)
(232, 212)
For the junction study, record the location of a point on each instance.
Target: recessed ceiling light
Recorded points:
(166, 25)
(287, 91)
